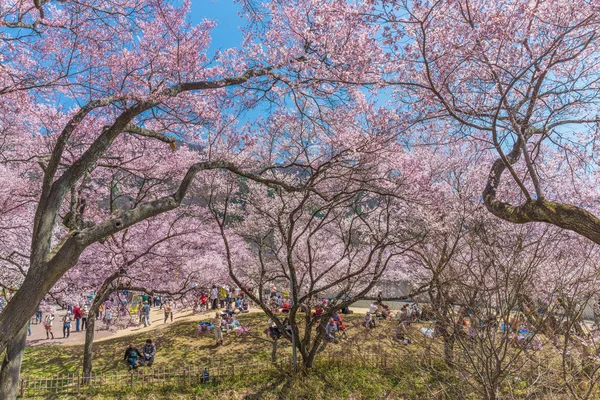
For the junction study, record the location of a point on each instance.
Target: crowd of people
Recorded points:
(76, 314)
(408, 313)
(227, 302)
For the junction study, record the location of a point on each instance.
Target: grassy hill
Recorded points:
(370, 365)
(179, 345)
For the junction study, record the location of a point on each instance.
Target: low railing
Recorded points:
(146, 377)
(141, 377)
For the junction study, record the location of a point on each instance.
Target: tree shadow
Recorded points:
(285, 389)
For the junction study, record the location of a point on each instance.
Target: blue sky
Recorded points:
(225, 12)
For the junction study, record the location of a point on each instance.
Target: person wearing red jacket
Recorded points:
(203, 302)
(77, 316)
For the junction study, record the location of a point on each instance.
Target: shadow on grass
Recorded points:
(259, 394)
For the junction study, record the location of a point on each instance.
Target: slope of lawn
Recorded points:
(415, 371)
(179, 344)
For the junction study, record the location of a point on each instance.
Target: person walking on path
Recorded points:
(67, 324)
(214, 297)
(48, 325)
(168, 311)
(77, 317)
(84, 316)
(146, 314)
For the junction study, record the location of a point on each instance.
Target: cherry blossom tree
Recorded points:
(83, 79)
(336, 239)
(519, 76)
(171, 254)
(492, 273)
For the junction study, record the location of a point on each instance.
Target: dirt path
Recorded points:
(38, 334)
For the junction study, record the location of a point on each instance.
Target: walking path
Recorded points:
(38, 334)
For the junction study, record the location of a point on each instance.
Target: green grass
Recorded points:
(409, 372)
(325, 381)
(179, 344)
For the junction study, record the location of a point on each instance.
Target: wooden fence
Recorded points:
(139, 378)
(145, 377)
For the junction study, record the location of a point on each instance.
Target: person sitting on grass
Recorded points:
(131, 356)
(273, 330)
(402, 334)
(274, 305)
(369, 321)
(416, 312)
(318, 311)
(373, 308)
(232, 323)
(226, 322)
(336, 316)
(148, 352)
(382, 312)
(385, 312)
(342, 330)
(285, 308)
(331, 330)
(287, 326)
(230, 309)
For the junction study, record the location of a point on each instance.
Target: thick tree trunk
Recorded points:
(38, 281)
(87, 347)
(21, 308)
(11, 366)
(563, 215)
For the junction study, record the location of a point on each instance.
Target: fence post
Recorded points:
(22, 387)
(131, 379)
